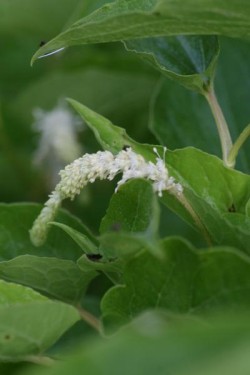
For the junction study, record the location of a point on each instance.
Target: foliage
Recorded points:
(132, 279)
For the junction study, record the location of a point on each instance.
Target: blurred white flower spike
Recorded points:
(58, 143)
(102, 165)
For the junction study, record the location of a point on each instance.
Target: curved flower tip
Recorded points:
(39, 230)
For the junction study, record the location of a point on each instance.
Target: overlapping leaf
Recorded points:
(185, 281)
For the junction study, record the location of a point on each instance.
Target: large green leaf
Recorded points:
(184, 281)
(214, 191)
(29, 322)
(140, 18)
(15, 222)
(189, 60)
(151, 345)
(55, 277)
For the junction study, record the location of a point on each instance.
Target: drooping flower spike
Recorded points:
(102, 165)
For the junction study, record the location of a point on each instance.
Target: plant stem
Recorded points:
(90, 319)
(222, 127)
(182, 199)
(40, 360)
(238, 143)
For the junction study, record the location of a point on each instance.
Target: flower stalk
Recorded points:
(244, 135)
(222, 127)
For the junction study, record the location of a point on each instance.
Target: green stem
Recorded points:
(40, 360)
(182, 199)
(238, 144)
(90, 319)
(222, 127)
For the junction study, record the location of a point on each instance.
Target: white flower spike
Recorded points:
(102, 165)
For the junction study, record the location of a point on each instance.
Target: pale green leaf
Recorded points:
(29, 322)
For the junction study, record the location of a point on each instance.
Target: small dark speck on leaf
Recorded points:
(94, 257)
(157, 14)
(7, 337)
(232, 208)
(115, 227)
(42, 43)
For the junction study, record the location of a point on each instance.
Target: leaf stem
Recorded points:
(182, 199)
(40, 360)
(222, 127)
(90, 319)
(238, 144)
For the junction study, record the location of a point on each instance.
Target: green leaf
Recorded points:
(133, 208)
(211, 189)
(109, 136)
(58, 278)
(14, 233)
(87, 264)
(151, 345)
(131, 222)
(29, 322)
(88, 245)
(124, 20)
(216, 193)
(184, 281)
(189, 60)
